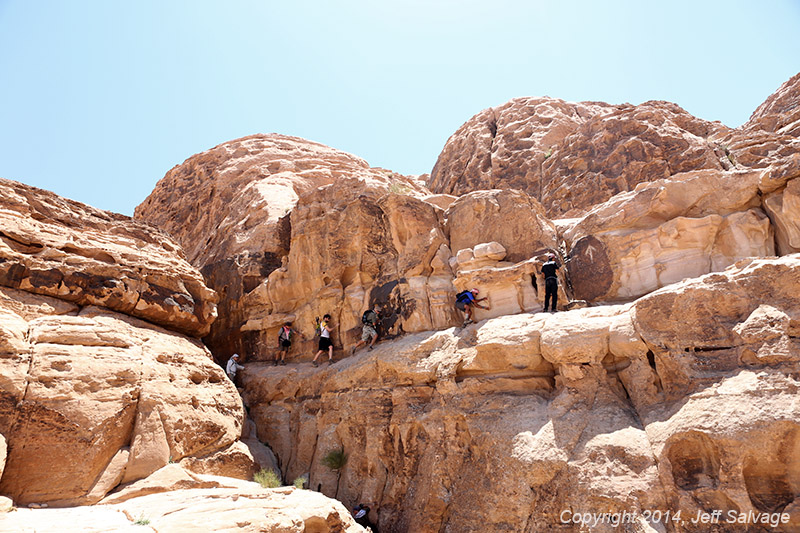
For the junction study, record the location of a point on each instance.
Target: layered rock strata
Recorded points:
(506, 424)
(56, 247)
(92, 395)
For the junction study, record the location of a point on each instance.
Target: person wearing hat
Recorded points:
(549, 269)
(233, 366)
(465, 301)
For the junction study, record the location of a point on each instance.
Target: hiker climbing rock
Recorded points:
(465, 301)
(369, 333)
(550, 282)
(232, 367)
(325, 343)
(284, 343)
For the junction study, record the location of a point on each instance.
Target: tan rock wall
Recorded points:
(505, 424)
(55, 247)
(229, 208)
(667, 231)
(117, 396)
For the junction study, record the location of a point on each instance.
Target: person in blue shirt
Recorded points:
(465, 301)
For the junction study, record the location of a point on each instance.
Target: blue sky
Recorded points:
(99, 99)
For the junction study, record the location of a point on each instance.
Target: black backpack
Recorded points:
(369, 317)
(284, 335)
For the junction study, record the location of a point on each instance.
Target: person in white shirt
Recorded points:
(233, 366)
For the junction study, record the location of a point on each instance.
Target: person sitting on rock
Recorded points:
(465, 301)
(232, 367)
(325, 343)
(369, 333)
(284, 343)
(550, 282)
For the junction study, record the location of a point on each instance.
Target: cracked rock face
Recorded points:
(572, 156)
(602, 409)
(90, 399)
(229, 208)
(56, 247)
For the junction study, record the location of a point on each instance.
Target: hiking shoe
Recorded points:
(330, 361)
(369, 349)
(282, 362)
(274, 362)
(314, 363)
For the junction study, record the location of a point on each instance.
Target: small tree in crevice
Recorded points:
(335, 460)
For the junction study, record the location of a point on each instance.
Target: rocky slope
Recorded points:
(102, 378)
(682, 400)
(666, 383)
(175, 500)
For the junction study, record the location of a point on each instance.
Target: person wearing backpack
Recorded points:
(325, 343)
(465, 301)
(369, 332)
(284, 343)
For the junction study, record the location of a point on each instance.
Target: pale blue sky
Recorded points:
(98, 99)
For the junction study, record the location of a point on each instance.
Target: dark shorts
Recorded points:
(461, 306)
(325, 343)
(285, 344)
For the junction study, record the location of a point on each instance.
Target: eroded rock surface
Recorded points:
(229, 208)
(572, 156)
(117, 396)
(174, 502)
(56, 247)
(599, 409)
(102, 378)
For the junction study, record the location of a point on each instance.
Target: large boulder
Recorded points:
(666, 231)
(504, 147)
(56, 247)
(102, 378)
(571, 156)
(509, 217)
(229, 208)
(93, 398)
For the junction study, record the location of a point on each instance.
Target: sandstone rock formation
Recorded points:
(174, 501)
(602, 409)
(92, 395)
(666, 231)
(55, 247)
(667, 382)
(573, 156)
(229, 209)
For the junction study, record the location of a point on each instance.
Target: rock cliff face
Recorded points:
(102, 378)
(679, 298)
(666, 382)
(229, 208)
(666, 403)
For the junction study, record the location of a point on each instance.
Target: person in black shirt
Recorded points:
(550, 282)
